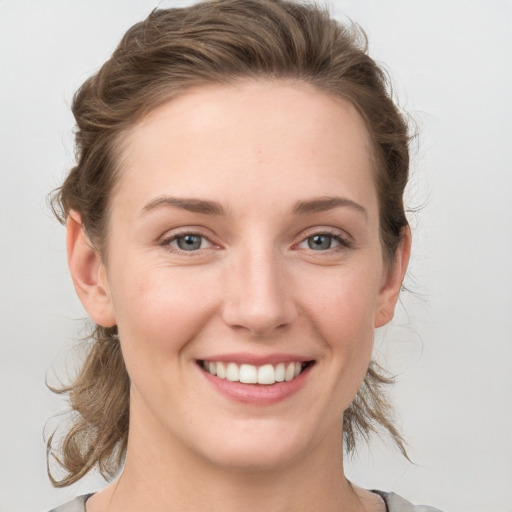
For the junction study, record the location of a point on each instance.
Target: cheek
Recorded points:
(343, 313)
(344, 305)
(158, 315)
(350, 335)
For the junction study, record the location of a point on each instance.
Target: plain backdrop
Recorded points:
(451, 343)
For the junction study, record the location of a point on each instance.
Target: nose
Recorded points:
(258, 296)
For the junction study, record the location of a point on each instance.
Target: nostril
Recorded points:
(259, 323)
(255, 297)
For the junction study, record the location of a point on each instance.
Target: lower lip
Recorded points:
(258, 394)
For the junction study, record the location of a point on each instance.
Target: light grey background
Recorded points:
(452, 344)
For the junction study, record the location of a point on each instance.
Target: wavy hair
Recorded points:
(172, 50)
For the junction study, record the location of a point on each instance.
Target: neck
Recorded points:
(168, 476)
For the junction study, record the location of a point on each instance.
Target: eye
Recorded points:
(321, 242)
(189, 242)
(324, 242)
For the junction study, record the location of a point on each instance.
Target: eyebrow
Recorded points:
(190, 204)
(322, 204)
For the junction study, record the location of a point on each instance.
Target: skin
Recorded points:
(255, 286)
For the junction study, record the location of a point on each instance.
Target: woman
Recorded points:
(236, 231)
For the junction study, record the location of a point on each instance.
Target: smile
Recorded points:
(249, 374)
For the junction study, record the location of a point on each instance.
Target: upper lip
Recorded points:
(255, 359)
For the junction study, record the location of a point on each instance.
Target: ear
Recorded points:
(394, 277)
(88, 273)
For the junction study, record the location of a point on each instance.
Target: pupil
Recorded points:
(189, 242)
(318, 242)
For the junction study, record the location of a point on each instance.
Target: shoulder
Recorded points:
(396, 503)
(76, 505)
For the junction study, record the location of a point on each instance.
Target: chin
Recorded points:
(259, 448)
(253, 460)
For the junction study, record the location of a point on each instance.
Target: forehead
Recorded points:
(254, 134)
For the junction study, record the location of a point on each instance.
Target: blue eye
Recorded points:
(321, 242)
(189, 242)
(325, 242)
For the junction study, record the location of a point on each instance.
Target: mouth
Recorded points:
(267, 374)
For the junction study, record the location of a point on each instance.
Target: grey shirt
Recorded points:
(394, 503)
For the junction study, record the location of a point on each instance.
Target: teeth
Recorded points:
(232, 372)
(290, 372)
(250, 374)
(266, 374)
(221, 370)
(280, 372)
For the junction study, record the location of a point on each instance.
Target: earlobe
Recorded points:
(388, 295)
(88, 273)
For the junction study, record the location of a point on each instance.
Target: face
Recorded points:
(244, 271)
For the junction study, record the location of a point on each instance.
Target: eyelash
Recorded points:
(168, 242)
(342, 241)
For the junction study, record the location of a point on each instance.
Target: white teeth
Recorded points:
(250, 374)
(232, 372)
(280, 372)
(290, 372)
(266, 374)
(221, 370)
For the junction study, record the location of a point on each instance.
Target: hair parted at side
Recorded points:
(213, 42)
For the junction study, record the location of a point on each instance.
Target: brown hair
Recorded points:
(219, 41)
